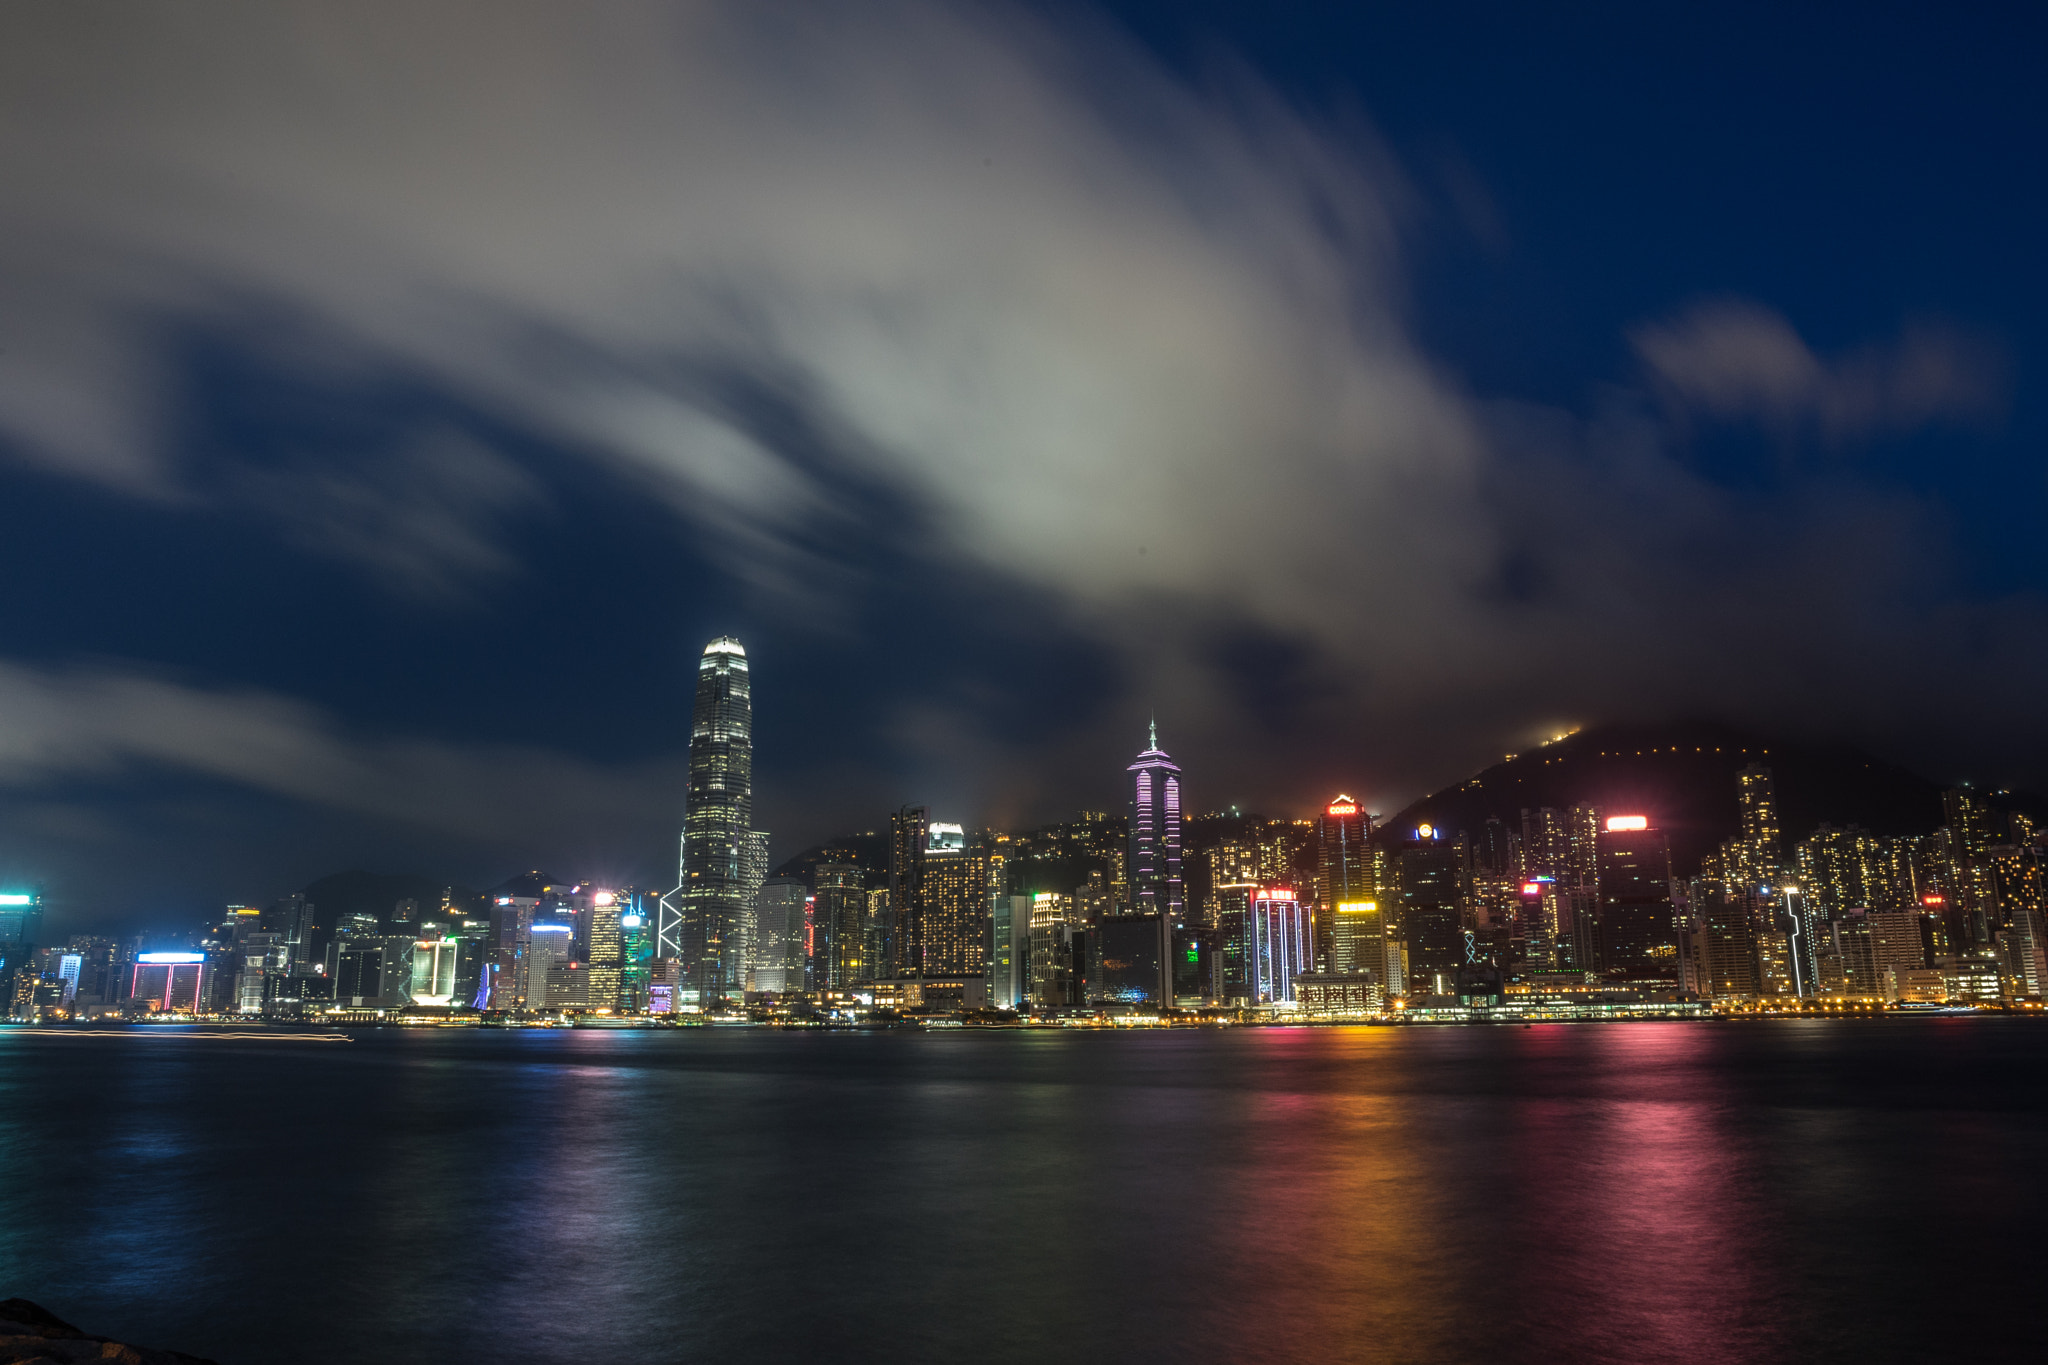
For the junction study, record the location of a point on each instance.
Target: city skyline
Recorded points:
(1384, 407)
(1583, 911)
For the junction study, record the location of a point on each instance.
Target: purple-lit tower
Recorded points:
(1156, 834)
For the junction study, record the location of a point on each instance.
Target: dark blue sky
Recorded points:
(384, 429)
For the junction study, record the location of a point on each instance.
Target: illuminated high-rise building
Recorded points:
(1009, 961)
(1156, 833)
(1758, 799)
(1637, 924)
(950, 912)
(1053, 925)
(1344, 870)
(173, 982)
(1839, 870)
(604, 949)
(1431, 917)
(901, 932)
(1264, 942)
(704, 920)
(636, 952)
(781, 938)
(839, 939)
(1546, 843)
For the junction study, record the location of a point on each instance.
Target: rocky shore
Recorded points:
(32, 1335)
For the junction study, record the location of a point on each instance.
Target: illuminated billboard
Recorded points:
(1616, 823)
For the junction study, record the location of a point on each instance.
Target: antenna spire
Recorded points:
(1155, 730)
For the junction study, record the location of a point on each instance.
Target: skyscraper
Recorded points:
(1638, 928)
(950, 912)
(704, 920)
(1344, 871)
(901, 942)
(605, 948)
(839, 949)
(1759, 801)
(1155, 870)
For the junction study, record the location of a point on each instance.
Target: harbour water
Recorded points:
(1753, 1192)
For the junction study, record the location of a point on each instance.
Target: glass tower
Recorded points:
(704, 920)
(1156, 834)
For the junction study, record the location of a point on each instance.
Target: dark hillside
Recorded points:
(1683, 777)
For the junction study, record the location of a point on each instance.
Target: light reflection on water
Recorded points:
(1615, 1193)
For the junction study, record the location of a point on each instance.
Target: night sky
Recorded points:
(395, 398)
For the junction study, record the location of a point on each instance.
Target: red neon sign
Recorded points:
(1343, 808)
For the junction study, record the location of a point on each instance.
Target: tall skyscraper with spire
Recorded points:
(1155, 870)
(704, 920)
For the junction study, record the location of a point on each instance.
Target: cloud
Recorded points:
(107, 722)
(421, 517)
(1138, 347)
(1734, 359)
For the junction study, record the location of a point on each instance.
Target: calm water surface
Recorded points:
(1641, 1193)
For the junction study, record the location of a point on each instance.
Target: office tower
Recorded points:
(636, 953)
(1637, 929)
(434, 963)
(171, 982)
(1534, 927)
(949, 913)
(1358, 947)
(754, 866)
(568, 987)
(1546, 843)
(1582, 848)
(1264, 941)
(374, 971)
(1344, 871)
(1155, 865)
(838, 915)
(703, 920)
(1009, 959)
(875, 937)
(548, 943)
(510, 936)
(1432, 924)
(21, 928)
(909, 828)
(1054, 928)
(294, 918)
(781, 936)
(604, 949)
(262, 958)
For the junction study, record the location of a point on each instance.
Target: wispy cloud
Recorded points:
(64, 724)
(1735, 359)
